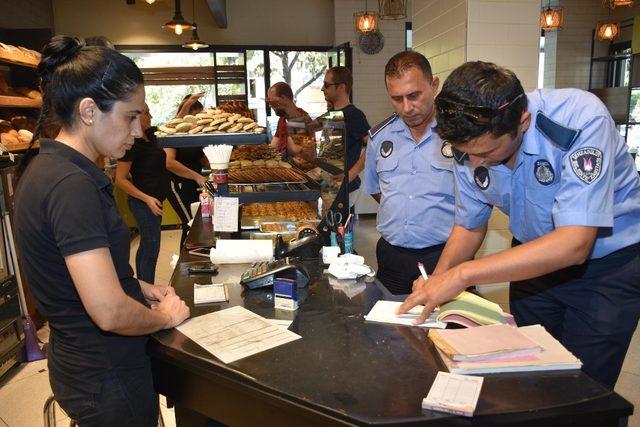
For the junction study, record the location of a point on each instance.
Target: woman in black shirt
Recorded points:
(185, 165)
(146, 162)
(74, 246)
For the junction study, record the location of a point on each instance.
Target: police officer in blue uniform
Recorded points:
(554, 162)
(408, 169)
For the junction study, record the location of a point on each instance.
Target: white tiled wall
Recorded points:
(440, 33)
(369, 91)
(507, 33)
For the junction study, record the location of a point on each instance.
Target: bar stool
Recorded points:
(50, 413)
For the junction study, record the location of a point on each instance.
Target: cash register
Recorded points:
(261, 274)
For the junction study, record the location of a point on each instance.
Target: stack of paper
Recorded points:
(483, 343)
(215, 292)
(501, 348)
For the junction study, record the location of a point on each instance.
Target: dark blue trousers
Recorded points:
(126, 399)
(592, 309)
(149, 248)
(398, 267)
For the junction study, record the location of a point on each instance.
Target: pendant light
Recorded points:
(392, 9)
(612, 4)
(551, 17)
(194, 42)
(178, 23)
(150, 1)
(366, 21)
(609, 29)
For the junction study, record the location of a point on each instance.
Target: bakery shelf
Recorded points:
(245, 138)
(276, 192)
(19, 102)
(23, 60)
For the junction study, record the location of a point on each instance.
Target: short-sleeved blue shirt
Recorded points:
(572, 169)
(415, 181)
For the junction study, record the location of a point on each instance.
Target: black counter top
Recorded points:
(345, 370)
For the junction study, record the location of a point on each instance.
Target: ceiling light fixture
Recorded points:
(612, 4)
(194, 42)
(366, 21)
(551, 17)
(150, 1)
(392, 9)
(178, 23)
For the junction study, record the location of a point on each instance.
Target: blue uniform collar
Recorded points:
(398, 125)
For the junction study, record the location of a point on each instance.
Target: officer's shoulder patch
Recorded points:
(562, 136)
(586, 163)
(377, 128)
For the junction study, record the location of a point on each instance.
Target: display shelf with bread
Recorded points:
(210, 127)
(19, 102)
(17, 55)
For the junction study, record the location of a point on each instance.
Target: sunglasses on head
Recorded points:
(480, 115)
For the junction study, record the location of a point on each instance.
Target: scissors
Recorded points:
(334, 219)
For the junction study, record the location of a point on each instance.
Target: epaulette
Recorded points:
(560, 135)
(377, 128)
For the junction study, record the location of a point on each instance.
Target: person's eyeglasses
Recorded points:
(480, 115)
(325, 85)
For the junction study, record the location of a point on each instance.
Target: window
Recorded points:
(304, 72)
(170, 76)
(236, 74)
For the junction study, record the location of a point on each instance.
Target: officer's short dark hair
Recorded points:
(402, 61)
(479, 97)
(342, 75)
(282, 89)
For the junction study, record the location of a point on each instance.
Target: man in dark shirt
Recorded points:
(336, 88)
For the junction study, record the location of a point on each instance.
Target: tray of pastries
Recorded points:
(254, 152)
(256, 213)
(265, 175)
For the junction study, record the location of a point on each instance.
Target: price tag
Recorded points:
(225, 214)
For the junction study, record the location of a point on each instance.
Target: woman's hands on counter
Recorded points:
(164, 299)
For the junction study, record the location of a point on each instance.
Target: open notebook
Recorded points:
(466, 309)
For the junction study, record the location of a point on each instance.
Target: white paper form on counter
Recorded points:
(225, 214)
(235, 333)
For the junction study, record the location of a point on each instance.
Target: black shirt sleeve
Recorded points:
(130, 155)
(358, 126)
(75, 212)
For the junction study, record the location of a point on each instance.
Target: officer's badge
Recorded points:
(481, 177)
(447, 150)
(544, 172)
(386, 148)
(586, 164)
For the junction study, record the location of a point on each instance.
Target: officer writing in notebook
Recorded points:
(554, 162)
(408, 170)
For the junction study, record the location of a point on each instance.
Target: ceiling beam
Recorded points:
(219, 10)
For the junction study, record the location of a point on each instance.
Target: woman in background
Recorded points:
(146, 162)
(185, 165)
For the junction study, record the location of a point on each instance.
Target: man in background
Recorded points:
(337, 85)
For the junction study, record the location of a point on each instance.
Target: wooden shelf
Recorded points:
(16, 148)
(19, 102)
(18, 59)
